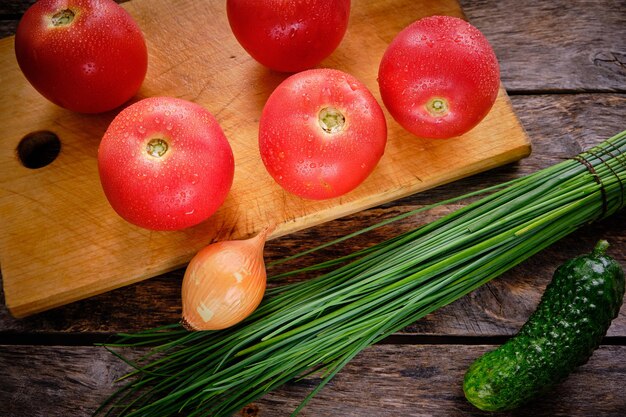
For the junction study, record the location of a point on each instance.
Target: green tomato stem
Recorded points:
(63, 18)
(331, 120)
(157, 147)
(601, 247)
(437, 106)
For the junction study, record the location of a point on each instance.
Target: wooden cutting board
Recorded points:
(59, 239)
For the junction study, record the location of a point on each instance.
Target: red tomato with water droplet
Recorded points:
(165, 164)
(439, 77)
(321, 133)
(88, 56)
(289, 36)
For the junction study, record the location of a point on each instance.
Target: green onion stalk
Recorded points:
(318, 325)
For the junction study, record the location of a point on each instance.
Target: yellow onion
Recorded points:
(224, 283)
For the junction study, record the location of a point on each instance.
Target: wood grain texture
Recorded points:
(556, 46)
(382, 381)
(63, 241)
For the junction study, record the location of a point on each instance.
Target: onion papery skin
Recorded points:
(224, 283)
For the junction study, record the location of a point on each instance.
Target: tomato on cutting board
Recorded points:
(88, 56)
(165, 164)
(289, 36)
(439, 77)
(321, 133)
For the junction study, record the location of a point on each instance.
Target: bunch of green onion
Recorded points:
(320, 324)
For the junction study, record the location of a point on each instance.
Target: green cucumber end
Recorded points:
(601, 247)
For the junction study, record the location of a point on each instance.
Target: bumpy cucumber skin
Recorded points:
(569, 323)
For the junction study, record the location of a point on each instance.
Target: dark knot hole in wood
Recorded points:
(38, 149)
(251, 410)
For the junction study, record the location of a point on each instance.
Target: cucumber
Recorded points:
(569, 323)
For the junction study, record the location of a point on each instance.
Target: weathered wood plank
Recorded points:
(556, 45)
(50, 381)
(420, 381)
(382, 381)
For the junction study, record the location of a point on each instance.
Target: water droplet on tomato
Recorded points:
(89, 68)
(141, 129)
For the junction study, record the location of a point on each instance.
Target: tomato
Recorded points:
(321, 133)
(288, 36)
(165, 164)
(439, 77)
(88, 56)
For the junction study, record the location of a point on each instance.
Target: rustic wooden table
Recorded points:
(563, 64)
